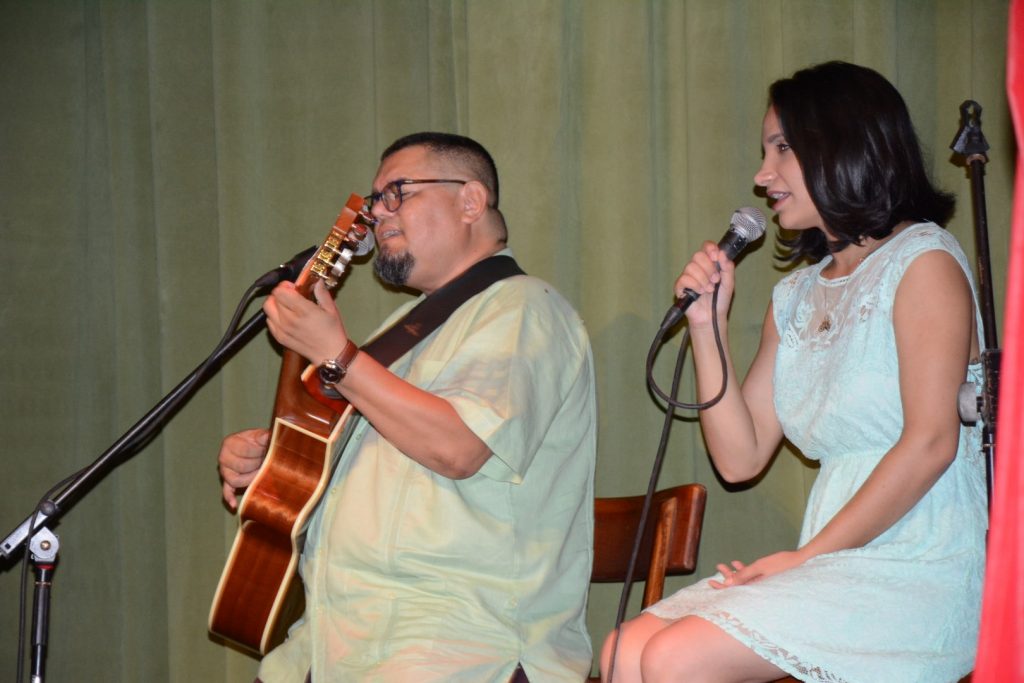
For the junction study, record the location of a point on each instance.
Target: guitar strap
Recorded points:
(436, 307)
(412, 328)
(418, 323)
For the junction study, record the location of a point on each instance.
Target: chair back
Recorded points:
(670, 541)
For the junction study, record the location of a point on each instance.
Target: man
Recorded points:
(455, 540)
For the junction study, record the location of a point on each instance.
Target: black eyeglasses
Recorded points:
(391, 196)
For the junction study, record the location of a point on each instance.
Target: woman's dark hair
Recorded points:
(861, 160)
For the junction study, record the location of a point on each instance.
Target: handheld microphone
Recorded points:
(747, 224)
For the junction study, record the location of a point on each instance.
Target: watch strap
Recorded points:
(347, 355)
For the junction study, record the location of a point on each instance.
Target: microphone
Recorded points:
(747, 224)
(286, 271)
(367, 243)
(290, 271)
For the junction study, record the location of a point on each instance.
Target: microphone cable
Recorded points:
(659, 458)
(656, 344)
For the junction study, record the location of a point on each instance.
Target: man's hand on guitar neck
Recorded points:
(241, 455)
(312, 329)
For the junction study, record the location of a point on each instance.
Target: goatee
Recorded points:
(392, 268)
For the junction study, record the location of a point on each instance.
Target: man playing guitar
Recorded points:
(454, 539)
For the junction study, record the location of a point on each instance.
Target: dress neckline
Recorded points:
(843, 279)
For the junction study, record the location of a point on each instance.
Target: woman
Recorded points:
(860, 360)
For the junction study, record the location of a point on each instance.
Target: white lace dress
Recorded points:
(905, 607)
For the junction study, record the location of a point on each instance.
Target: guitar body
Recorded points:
(259, 595)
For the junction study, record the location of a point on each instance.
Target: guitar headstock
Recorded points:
(351, 235)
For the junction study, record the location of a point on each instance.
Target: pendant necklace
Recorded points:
(826, 322)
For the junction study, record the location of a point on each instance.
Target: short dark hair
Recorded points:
(852, 134)
(465, 152)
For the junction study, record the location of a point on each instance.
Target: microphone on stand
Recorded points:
(286, 271)
(291, 269)
(747, 224)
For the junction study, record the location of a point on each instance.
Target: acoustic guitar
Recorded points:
(260, 595)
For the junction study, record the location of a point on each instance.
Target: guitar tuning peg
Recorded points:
(366, 218)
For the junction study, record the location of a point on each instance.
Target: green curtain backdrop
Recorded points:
(156, 157)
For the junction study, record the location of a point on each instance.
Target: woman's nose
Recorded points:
(764, 176)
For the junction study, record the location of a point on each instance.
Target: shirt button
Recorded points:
(511, 603)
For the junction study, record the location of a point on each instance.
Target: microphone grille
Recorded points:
(365, 245)
(749, 222)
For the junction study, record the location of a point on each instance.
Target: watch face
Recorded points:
(329, 373)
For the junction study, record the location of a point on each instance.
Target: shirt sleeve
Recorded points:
(506, 361)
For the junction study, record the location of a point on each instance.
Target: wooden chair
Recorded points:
(670, 541)
(669, 547)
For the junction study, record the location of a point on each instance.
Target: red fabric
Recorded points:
(1001, 646)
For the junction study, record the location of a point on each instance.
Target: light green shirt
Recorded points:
(411, 576)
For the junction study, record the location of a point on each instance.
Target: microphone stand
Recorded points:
(971, 145)
(43, 544)
(129, 443)
(44, 548)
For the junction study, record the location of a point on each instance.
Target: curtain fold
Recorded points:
(1001, 646)
(156, 157)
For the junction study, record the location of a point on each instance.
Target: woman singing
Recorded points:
(860, 360)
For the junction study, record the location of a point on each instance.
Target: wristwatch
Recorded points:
(332, 370)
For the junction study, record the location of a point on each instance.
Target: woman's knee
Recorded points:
(679, 652)
(625, 645)
(693, 649)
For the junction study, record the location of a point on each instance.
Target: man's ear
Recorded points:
(474, 201)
